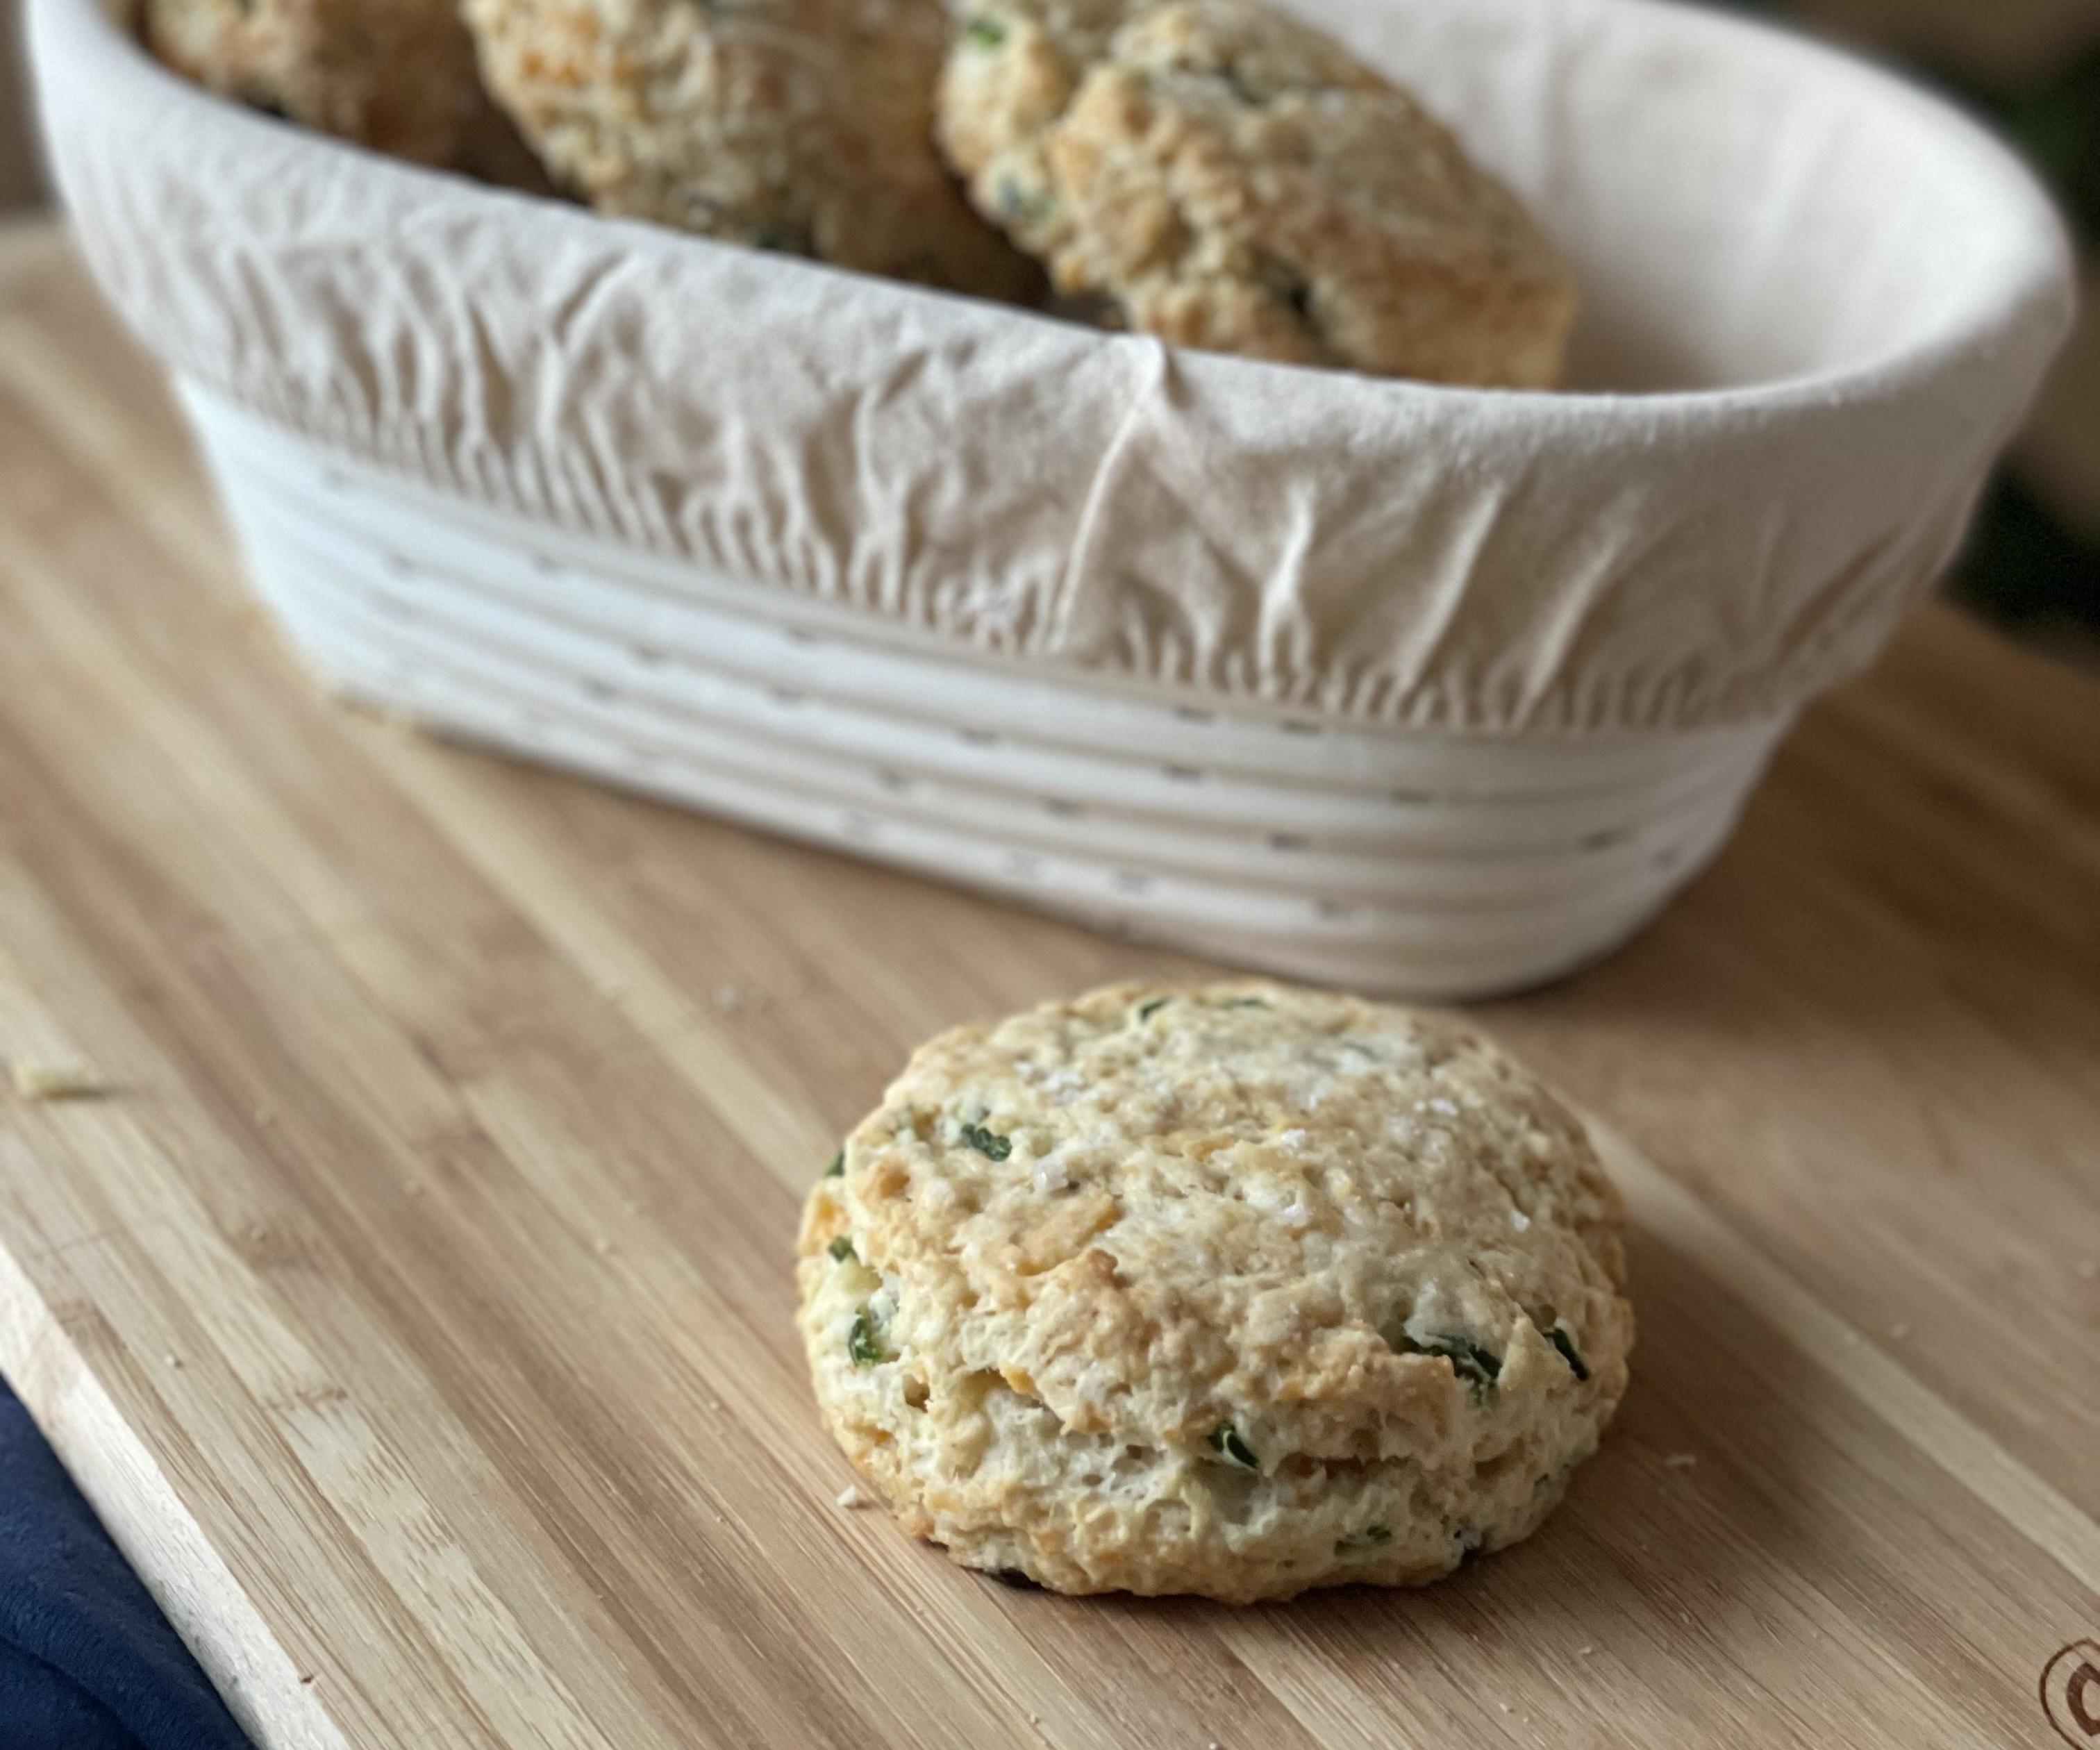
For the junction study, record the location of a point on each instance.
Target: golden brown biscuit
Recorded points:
(1235, 1290)
(395, 75)
(803, 125)
(1231, 178)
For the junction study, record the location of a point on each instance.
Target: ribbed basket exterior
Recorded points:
(1433, 865)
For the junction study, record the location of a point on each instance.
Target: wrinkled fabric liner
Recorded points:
(1379, 551)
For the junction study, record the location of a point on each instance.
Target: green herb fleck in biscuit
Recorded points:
(989, 1144)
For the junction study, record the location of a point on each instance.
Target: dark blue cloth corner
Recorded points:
(87, 1662)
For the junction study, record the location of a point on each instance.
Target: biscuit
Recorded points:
(1234, 1290)
(1231, 178)
(802, 126)
(395, 75)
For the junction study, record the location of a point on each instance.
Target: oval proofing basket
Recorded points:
(1438, 864)
(1425, 691)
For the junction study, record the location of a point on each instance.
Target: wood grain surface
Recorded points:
(415, 1305)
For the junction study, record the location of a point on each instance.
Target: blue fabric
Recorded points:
(86, 1661)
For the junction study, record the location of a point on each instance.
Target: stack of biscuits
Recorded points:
(1209, 171)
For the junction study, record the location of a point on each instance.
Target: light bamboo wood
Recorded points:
(415, 1308)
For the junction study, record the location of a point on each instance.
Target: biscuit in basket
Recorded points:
(1229, 177)
(395, 75)
(802, 126)
(1234, 1290)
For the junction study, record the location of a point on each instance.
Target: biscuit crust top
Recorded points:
(798, 126)
(1317, 1240)
(395, 75)
(1229, 177)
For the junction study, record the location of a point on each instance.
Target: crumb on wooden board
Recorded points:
(55, 1078)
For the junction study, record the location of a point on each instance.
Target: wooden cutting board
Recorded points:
(415, 1307)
